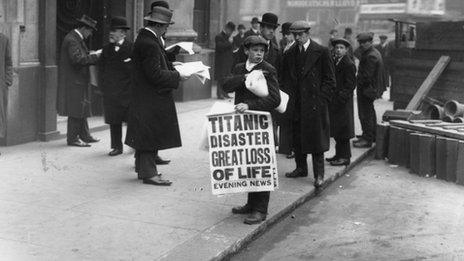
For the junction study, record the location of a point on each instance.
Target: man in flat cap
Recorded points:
(341, 106)
(312, 79)
(73, 82)
(224, 57)
(115, 67)
(152, 121)
(371, 85)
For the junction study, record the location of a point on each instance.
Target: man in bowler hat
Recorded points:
(341, 106)
(312, 79)
(115, 73)
(152, 121)
(73, 78)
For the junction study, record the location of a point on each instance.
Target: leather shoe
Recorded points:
(334, 158)
(140, 177)
(157, 181)
(115, 152)
(362, 144)
(255, 218)
(160, 161)
(298, 172)
(91, 140)
(242, 210)
(340, 162)
(319, 182)
(78, 143)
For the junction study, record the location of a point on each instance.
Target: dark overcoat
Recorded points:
(115, 70)
(313, 87)
(236, 83)
(6, 79)
(371, 79)
(152, 121)
(341, 106)
(224, 56)
(285, 120)
(73, 77)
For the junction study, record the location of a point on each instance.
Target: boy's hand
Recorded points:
(241, 107)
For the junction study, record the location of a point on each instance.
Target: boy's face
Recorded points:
(340, 50)
(255, 53)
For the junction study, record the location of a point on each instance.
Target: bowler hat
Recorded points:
(118, 22)
(340, 41)
(241, 26)
(300, 26)
(87, 21)
(253, 40)
(286, 28)
(160, 15)
(365, 37)
(254, 20)
(383, 36)
(269, 19)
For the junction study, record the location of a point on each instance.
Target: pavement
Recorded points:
(376, 212)
(67, 203)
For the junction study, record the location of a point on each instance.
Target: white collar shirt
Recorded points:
(79, 33)
(249, 65)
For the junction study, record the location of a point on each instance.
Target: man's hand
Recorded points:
(241, 107)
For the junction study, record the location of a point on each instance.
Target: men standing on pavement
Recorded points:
(6, 73)
(73, 88)
(371, 85)
(152, 121)
(313, 80)
(224, 57)
(115, 72)
(341, 106)
(254, 30)
(255, 47)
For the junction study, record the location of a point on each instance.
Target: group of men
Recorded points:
(320, 84)
(320, 89)
(137, 81)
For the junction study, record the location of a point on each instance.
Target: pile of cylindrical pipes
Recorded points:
(424, 154)
(452, 111)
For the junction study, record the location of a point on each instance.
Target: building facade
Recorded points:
(36, 29)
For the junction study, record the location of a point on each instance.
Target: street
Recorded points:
(376, 212)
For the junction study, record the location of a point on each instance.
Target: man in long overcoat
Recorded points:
(152, 121)
(224, 57)
(313, 80)
(341, 107)
(371, 85)
(115, 72)
(73, 78)
(6, 74)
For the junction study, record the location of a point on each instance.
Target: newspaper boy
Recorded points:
(245, 99)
